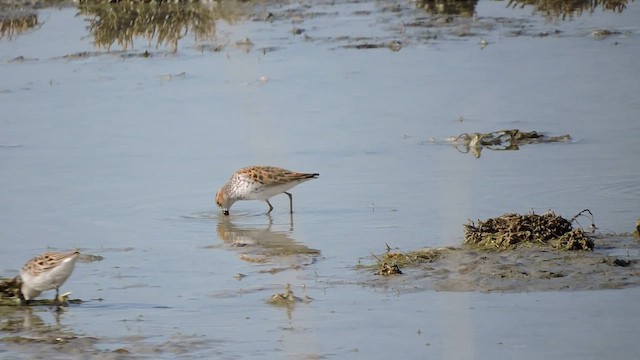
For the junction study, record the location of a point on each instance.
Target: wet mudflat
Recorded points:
(114, 142)
(516, 253)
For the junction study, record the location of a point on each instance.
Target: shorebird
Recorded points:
(47, 271)
(259, 183)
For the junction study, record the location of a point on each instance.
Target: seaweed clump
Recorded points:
(512, 230)
(9, 288)
(386, 269)
(390, 262)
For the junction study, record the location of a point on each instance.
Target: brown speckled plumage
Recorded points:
(259, 183)
(45, 262)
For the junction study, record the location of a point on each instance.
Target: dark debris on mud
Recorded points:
(9, 288)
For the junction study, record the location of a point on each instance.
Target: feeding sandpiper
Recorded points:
(259, 183)
(46, 272)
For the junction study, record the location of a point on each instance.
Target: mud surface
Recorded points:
(521, 253)
(613, 264)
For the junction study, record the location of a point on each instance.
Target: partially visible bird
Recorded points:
(47, 271)
(259, 183)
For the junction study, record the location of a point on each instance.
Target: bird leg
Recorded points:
(56, 300)
(270, 207)
(290, 202)
(21, 297)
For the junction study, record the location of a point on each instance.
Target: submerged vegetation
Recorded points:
(510, 139)
(287, 298)
(451, 7)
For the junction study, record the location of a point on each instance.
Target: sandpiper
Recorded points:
(259, 183)
(46, 272)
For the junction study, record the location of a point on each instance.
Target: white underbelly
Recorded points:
(264, 192)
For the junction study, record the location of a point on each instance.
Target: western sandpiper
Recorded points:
(259, 183)
(46, 272)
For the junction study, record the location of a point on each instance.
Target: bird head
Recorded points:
(223, 201)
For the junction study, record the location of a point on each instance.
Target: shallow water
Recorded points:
(121, 156)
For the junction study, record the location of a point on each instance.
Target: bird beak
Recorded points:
(225, 212)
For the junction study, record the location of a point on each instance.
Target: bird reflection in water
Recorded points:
(263, 245)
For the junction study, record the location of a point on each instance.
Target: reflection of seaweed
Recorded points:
(166, 22)
(449, 7)
(13, 25)
(287, 299)
(564, 8)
